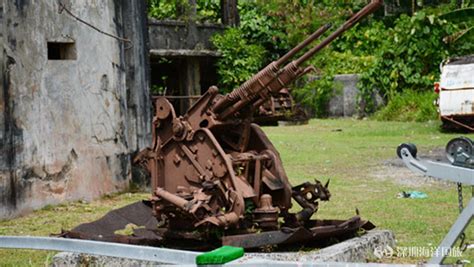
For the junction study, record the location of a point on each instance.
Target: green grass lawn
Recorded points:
(345, 150)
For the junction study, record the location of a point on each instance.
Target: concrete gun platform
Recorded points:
(355, 250)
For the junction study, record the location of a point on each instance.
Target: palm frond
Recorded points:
(463, 15)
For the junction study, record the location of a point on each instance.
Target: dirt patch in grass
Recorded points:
(395, 170)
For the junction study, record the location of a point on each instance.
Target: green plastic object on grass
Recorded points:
(221, 255)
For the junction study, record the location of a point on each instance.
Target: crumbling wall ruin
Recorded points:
(74, 102)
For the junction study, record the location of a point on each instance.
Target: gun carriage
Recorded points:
(213, 169)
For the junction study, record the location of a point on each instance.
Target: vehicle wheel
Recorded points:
(411, 148)
(458, 145)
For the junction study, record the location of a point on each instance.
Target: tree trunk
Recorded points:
(229, 12)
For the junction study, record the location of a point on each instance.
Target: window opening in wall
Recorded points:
(61, 51)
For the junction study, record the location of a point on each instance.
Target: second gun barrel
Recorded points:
(303, 44)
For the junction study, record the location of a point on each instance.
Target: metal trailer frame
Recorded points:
(447, 172)
(161, 255)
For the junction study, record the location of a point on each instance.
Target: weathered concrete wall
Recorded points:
(186, 44)
(178, 35)
(69, 127)
(344, 101)
(135, 28)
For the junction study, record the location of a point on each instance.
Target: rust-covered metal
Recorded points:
(217, 178)
(280, 107)
(462, 121)
(215, 173)
(147, 230)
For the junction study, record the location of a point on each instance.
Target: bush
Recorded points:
(166, 9)
(409, 56)
(239, 61)
(409, 105)
(259, 26)
(206, 10)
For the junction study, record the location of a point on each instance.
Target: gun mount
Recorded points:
(280, 108)
(213, 169)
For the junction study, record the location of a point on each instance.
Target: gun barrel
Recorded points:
(267, 74)
(303, 44)
(271, 79)
(367, 10)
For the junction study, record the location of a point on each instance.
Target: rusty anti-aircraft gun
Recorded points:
(213, 169)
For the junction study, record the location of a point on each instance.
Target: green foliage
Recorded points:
(409, 106)
(461, 3)
(465, 15)
(294, 20)
(248, 48)
(259, 26)
(240, 59)
(206, 10)
(165, 9)
(316, 94)
(409, 55)
(158, 89)
(362, 39)
(465, 19)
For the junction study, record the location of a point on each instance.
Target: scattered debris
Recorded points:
(412, 194)
(128, 230)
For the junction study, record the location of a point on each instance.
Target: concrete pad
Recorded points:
(77, 259)
(355, 250)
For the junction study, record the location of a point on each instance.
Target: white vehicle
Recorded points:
(456, 93)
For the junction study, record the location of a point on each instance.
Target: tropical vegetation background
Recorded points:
(397, 55)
